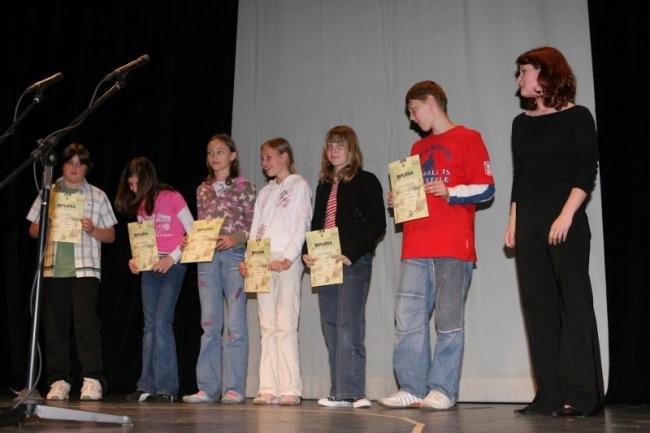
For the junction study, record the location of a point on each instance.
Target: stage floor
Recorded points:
(309, 417)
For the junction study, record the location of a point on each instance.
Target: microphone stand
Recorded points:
(37, 99)
(29, 401)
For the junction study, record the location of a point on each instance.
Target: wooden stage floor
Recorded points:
(309, 417)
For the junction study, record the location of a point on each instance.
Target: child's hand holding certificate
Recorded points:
(201, 241)
(144, 248)
(407, 184)
(324, 247)
(66, 211)
(258, 258)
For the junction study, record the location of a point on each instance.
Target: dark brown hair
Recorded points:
(80, 150)
(234, 164)
(127, 201)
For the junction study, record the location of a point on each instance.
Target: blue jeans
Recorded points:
(425, 283)
(159, 365)
(220, 280)
(343, 321)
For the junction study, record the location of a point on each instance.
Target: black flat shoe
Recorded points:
(526, 410)
(567, 411)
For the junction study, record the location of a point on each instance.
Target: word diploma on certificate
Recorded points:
(142, 236)
(324, 247)
(407, 184)
(66, 212)
(258, 259)
(201, 241)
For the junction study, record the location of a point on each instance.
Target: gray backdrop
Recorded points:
(303, 66)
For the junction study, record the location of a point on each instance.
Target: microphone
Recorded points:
(123, 70)
(44, 83)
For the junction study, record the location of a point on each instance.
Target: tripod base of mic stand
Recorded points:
(34, 405)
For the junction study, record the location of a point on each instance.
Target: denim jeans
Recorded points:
(425, 283)
(218, 372)
(343, 321)
(159, 364)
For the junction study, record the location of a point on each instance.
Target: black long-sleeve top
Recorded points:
(360, 213)
(553, 153)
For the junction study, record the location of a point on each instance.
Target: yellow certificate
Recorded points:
(144, 249)
(66, 211)
(324, 247)
(407, 184)
(258, 258)
(201, 241)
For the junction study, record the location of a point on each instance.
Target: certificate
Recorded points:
(202, 241)
(144, 249)
(66, 211)
(258, 258)
(409, 198)
(324, 247)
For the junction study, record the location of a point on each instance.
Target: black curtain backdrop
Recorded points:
(173, 104)
(167, 110)
(619, 38)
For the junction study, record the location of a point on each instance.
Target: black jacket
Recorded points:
(360, 213)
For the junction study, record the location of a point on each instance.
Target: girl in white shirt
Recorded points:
(282, 213)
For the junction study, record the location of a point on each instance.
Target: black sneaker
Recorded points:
(138, 395)
(160, 398)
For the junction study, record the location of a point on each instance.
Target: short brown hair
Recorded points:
(419, 91)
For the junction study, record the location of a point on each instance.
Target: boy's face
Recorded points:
(421, 112)
(74, 171)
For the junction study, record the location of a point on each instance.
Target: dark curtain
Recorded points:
(619, 37)
(166, 110)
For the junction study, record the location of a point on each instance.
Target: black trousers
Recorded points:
(72, 303)
(557, 303)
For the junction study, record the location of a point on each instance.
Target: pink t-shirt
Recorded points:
(169, 228)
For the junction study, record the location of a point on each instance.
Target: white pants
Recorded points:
(279, 314)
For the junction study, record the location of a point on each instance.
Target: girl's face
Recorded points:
(275, 164)
(337, 154)
(219, 156)
(74, 171)
(527, 81)
(133, 183)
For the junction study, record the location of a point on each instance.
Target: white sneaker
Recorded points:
(91, 389)
(401, 399)
(199, 397)
(232, 397)
(333, 402)
(59, 390)
(357, 403)
(436, 400)
(361, 403)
